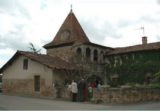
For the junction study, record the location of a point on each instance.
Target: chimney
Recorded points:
(144, 40)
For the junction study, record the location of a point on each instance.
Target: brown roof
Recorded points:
(97, 45)
(71, 29)
(60, 44)
(49, 61)
(136, 48)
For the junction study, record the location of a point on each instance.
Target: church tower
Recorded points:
(69, 34)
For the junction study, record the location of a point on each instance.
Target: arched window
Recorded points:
(88, 53)
(78, 54)
(95, 55)
(79, 51)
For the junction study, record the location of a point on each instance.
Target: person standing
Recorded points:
(81, 87)
(74, 90)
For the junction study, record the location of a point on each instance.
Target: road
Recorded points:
(27, 103)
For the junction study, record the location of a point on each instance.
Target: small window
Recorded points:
(25, 64)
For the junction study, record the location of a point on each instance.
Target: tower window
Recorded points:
(88, 53)
(95, 57)
(79, 51)
(79, 54)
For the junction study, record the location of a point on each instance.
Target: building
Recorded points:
(70, 55)
(133, 64)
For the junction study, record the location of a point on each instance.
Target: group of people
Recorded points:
(82, 91)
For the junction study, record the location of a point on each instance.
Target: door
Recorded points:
(37, 83)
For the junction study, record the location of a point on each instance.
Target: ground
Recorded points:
(28, 103)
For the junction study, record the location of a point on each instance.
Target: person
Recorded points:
(99, 86)
(74, 90)
(81, 87)
(70, 91)
(90, 91)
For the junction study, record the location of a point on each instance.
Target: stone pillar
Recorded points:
(99, 56)
(83, 49)
(92, 55)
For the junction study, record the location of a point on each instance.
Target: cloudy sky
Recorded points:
(113, 23)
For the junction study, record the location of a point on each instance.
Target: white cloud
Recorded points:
(108, 22)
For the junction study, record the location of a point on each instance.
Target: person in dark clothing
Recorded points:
(81, 88)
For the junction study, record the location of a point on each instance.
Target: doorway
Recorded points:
(37, 83)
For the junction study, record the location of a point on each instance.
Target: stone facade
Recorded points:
(91, 58)
(65, 53)
(26, 87)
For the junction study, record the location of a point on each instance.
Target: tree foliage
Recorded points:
(33, 49)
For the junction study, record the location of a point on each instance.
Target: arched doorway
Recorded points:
(95, 79)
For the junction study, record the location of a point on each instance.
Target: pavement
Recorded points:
(27, 103)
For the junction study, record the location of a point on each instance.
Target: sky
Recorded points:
(112, 23)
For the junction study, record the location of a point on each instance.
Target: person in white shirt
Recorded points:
(74, 90)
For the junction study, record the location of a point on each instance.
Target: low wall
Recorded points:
(125, 95)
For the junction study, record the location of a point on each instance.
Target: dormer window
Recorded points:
(25, 64)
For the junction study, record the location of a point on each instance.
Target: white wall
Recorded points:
(16, 71)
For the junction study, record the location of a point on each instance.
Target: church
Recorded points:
(70, 56)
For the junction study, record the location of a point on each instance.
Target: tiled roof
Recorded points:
(73, 30)
(49, 61)
(97, 45)
(60, 44)
(136, 48)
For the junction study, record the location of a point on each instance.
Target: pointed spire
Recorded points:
(70, 31)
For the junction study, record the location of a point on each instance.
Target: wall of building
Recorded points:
(100, 53)
(90, 66)
(16, 80)
(64, 53)
(85, 56)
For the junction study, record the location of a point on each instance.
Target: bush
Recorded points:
(154, 86)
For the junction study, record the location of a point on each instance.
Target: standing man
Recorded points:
(74, 90)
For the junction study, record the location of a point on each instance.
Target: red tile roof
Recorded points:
(136, 48)
(49, 61)
(72, 26)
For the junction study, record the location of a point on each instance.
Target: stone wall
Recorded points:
(26, 87)
(125, 95)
